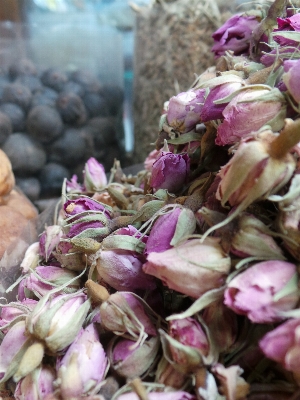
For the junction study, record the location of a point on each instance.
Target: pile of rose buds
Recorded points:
(180, 282)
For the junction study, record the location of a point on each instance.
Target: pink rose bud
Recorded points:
(85, 205)
(68, 257)
(150, 159)
(36, 385)
(122, 270)
(82, 369)
(126, 313)
(263, 291)
(49, 240)
(11, 311)
(12, 349)
(176, 395)
(31, 257)
(291, 24)
(185, 345)
(266, 104)
(170, 171)
(252, 173)
(72, 185)
(212, 110)
(45, 278)
(291, 78)
(53, 317)
(183, 112)
(94, 177)
(169, 228)
(192, 267)
(282, 345)
(234, 35)
(131, 359)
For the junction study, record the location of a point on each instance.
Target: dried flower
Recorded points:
(49, 240)
(234, 35)
(291, 78)
(72, 185)
(94, 177)
(183, 113)
(263, 291)
(82, 369)
(192, 267)
(170, 171)
(12, 311)
(290, 24)
(174, 395)
(36, 385)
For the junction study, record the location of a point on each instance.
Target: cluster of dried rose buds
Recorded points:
(181, 282)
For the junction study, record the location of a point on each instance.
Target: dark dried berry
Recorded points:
(26, 155)
(44, 123)
(32, 82)
(51, 178)
(103, 131)
(54, 78)
(96, 105)
(22, 67)
(114, 96)
(16, 115)
(5, 127)
(18, 94)
(45, 97)
(71, 108)
(89, 81)
(31, 187)
(69, 149)
(73, 87)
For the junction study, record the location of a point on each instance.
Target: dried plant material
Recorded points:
(173, 43)
(7, 179)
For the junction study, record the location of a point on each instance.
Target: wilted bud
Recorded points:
(31, 257)
(291, 78)
(186, 344)
(282, 345)
(126, 313)
(45, 278)
(192, 267)
(94, 177)
(266, 104)
(49, 240)
(170, 171)
(12, 349)
(122, 270)
(183, 112)
(58, 320)
(253, 238)
(234, 35)
(36, 385)
(82, 369)
(130, 359)
(273, 285)
(170, 228)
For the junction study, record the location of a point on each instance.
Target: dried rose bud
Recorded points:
(185, 345)
(122, 270)
(291, 78)
(167, 375)
(49, 240)
(234, 35)
(68, 257)
(267, 104)
(192, 267)
(263, 291)
(94, 177)
(12, 311)
(150, 159)
(36, 385)
(253, 238)
(183, 113)
(131, 359)
(290, 24)
(170, 171)
(72, 185)
(45, 278)
(82, 369)
(53, 317)
(174, 395)
(12, 349)
(85, 204)
(169, 228)
(126, 313)
(31, 257)
(222, 323)
(282, 345)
